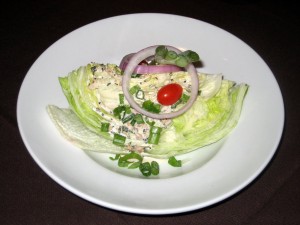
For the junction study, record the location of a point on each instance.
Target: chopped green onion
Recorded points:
(118, 111)
(122, 115)
(164, 56)
(161, 51)
(153, 138)
(174, 162)
(104, 127)
(181, 61)
(191, 56)
(117, 156)
(171, 55)
(130, 160)
(184, 98)
(154, 135)
(145, 169)
(134, 89)
(176, 104)
(121, 110)
(151, 106)
(122, 163)
(121, 99)
(154, 168)
(156, 108)
(131, 156)
(134, 160)
(139, 119)
(155, 130)
(139, 94)
(119, 139)
(126, 119)
(151, 123)
(132, 122)
(134, 165)
(127, 109)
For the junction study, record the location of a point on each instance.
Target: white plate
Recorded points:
(201, 182)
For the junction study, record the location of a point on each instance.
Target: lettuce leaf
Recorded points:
(71, 128)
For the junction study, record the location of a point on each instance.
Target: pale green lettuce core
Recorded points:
(213, 116)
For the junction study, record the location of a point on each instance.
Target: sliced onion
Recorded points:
(134, 61)
(145, 69)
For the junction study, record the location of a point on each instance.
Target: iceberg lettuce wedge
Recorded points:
(93, 93)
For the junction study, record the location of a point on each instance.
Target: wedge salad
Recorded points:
(153, 104)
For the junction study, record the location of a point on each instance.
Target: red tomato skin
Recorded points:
(169, 94)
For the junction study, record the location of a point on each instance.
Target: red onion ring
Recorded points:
(145, 69)
(134, 61)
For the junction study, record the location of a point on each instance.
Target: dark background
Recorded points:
(29, 196)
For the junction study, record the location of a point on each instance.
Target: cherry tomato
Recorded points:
(169, 94)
